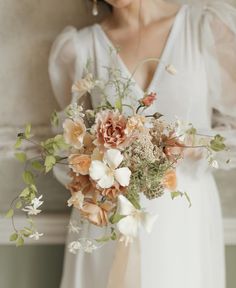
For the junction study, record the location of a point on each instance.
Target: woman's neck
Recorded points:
(140, 13)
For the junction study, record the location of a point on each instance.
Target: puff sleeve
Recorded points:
(62, 61)
(219, 48)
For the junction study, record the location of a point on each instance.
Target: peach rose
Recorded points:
(113, 192)
(110, 128)
(84, 85)
(80, 183)
(170, 180)
(74, 132)
(88, 143)
(135, 122)
(80, 163)
(96, 214)
(148, 99)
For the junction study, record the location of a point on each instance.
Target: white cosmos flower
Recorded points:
(106, 172)
(36, 201)
(129, 225)
(76, 200)
(36, 235)
(33, 208)
(89, 247)
(73, 227)
(215, 164)
(74, 247)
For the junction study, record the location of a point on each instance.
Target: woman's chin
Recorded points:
(119, 4)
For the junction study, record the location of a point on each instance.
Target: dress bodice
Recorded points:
(201, 84)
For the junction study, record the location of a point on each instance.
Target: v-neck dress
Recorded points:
(186, 247)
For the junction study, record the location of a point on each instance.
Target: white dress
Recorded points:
(186, 247)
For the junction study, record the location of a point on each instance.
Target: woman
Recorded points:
(186, 248)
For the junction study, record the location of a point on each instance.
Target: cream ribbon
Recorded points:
(126, 267)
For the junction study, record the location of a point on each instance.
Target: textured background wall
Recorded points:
(27, 30)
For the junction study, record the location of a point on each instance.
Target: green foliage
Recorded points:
(118, 104)
(28, 131)
(13, 237)
(177, 194)
(25, 192)
(18, 204)
(29, 193)
(9, 213)
(18, 142)
(28, 177)
(37, 165)
(21, 156)
(20, 241)
(115, 218)
(50, 161)
(54, 119)
(54, 145)
(191, 131)
(217, 144)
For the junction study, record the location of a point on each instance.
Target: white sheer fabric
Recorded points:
(186, 248)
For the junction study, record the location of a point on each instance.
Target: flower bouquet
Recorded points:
(117, 154)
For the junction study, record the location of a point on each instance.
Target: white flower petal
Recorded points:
(106, 181)
(128, 226)
(148, 221)
(122, 176)
(97, 170)
(113, 158)
(125, 207)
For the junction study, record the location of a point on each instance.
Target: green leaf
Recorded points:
(27, 131)
(113, 236)
(175, 194)
(25, 192)
(118, 104)
(115, 218)
(28, 177)
(9, 213)
(27, 232)
(188, 199)
(21, 156)
(20, 241)
(54, 119)
(103, 239)
(60, 142)
(50, 161)
(191, 131)
(18, 142)
(37, 165)
(14, 237)
(217, 144)
(18, 205)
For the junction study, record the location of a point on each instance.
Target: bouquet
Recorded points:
(117, 154)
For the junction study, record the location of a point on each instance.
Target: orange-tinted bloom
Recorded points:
(74, 132)
(148, 99)
(80, 163)
(173, 148)
(96, 214)
(80, 183)
(170, 180)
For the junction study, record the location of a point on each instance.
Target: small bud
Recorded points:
(157, 115)
(171, 69)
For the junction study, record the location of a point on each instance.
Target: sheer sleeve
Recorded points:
(62, 61)
(219, 48)
(62, 66)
